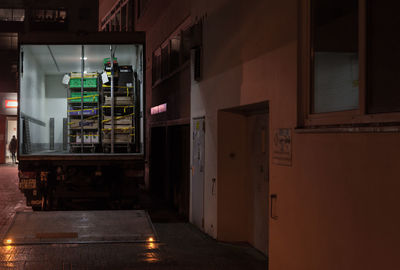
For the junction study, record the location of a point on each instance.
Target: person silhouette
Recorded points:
(12, 147)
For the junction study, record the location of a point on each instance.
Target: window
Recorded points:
(165, 61)
(49, 16)
(174, 53)
(14, 15)
(175, 45)
(156, 66)
(349, 62)
(8, 41)
(335, 55)
(383, 56)
(5, 14)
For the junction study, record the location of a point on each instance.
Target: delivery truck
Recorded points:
(81, 119)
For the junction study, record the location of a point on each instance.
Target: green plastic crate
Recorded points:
(87, 97)
(106, 60)
(87, 83)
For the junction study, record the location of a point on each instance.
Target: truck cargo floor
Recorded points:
(74, 227)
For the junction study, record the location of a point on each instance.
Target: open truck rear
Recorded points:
(80, 119)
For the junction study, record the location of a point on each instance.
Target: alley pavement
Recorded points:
(181, 245)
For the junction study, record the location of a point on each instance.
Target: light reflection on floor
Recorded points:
(152, 254)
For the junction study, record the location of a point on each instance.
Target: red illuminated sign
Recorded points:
(11, 104)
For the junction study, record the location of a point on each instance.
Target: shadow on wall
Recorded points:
(243, 30)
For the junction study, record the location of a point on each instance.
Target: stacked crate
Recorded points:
(124, 128)
(89, 139)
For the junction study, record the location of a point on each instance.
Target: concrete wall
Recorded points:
(32, 98)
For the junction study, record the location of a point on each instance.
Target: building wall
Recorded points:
(337, 202)
(254, 60)
(160, 20)
(8, 74)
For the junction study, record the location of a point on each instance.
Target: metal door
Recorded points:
(198, 173)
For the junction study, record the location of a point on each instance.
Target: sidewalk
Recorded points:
(181, 246)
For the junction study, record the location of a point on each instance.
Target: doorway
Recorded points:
(169, 173)
(243, 175)
(11, 130)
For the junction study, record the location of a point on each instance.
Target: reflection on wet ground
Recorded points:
(181, 246)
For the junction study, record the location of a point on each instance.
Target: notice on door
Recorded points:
(282, 147)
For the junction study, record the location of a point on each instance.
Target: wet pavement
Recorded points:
(181, 246)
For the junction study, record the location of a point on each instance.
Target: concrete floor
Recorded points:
(181, 246)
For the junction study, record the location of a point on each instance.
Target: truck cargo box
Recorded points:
(53, 116)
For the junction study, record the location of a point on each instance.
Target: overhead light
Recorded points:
(85, 72)
(84, 58)
(11, 104)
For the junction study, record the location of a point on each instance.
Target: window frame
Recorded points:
(305, 63)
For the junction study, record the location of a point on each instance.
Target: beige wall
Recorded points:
(338, 202)
(249, 56)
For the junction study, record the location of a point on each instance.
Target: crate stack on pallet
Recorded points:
(124, 108)
(83, 121)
